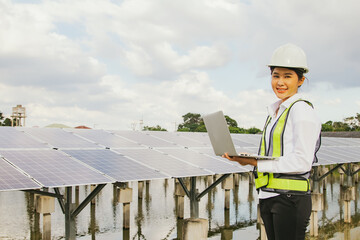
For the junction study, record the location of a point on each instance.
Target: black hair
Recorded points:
(299, 71)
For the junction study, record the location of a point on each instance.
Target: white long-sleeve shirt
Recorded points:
(302, 131)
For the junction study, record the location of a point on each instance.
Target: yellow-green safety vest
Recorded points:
(275, 182)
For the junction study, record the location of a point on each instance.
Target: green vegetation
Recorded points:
(156, 128)
(349, 124)
(193, 122)
(6, 122)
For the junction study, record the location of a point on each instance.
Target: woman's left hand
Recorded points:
(241, 160)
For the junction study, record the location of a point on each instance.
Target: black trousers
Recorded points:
(286, 216)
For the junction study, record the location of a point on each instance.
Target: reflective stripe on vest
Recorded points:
(267, 181)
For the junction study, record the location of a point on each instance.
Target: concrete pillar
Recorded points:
(227, 232)
(348, 194)
(179, 193)
(261, 224)
(125, 197)
(236, 179)
(77, 196)
(209, 180)
(46, 206)
(140, 189)
(227, 184)
(316, 199)
(195, 228)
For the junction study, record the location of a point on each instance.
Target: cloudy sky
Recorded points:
(110, 63)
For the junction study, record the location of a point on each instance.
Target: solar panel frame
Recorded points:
(58, 138)
(11, 179)
(112, 164)
(164, 163)
(52, 168)
(144, 138)
(212, 164)
(10, 138)
(105, 138)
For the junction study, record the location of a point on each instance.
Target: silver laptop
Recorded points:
(220, 137)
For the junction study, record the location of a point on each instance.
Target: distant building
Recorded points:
(82, 127)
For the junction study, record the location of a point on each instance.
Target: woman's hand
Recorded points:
(241, 160)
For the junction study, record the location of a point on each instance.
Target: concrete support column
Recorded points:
(236, 179)
(125, 197)
(46, 206)
(227, 185)
(209, 180)
(140, 189)
(179, 193)
(348, 194)
(316, 199)
(77, 195)
(195, 228)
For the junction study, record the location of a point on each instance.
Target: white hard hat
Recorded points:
(289, 55)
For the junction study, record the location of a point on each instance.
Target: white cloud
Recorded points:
(111, 64)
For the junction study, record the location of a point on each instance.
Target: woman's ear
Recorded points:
(301, 81)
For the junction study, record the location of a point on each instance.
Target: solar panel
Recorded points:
(12, 179)
(59, 138)
(164, 163)
(11, 138)
(215, 165)
(53, 168)
(115, 165)
(144, 138)
(197, 136)
(210, 152)
(178, 139)
(246, 140)
(104, 138)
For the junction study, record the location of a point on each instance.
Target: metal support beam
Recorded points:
(208, 189)
(181, 181)
(44, 193)
(315, 178)
(194, 202)
(87, 200)
(70, 225)
(60, 200)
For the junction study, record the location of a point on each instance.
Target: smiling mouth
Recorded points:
(281, 90)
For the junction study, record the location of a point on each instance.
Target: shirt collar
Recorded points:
(283, 105)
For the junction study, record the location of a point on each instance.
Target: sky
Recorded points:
(112, 64)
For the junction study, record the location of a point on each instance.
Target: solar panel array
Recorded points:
(32, 158)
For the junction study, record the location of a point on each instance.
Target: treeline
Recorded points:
(348, 124)
(193, 122)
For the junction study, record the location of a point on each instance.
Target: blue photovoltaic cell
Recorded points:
(164, 163)
(115, 165)
(59, 138)
(144, 138)
(12, 179)
(105, 138)
(215, 165)
(11, 138)
(53, 168)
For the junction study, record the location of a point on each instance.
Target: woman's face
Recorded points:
(285, 82)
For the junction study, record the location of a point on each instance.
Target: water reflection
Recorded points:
(154, 212)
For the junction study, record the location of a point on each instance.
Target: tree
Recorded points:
(157, 128)
(191, 122)
(6, 122)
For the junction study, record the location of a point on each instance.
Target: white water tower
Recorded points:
(18, 114)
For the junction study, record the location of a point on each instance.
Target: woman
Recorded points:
(291, 133)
